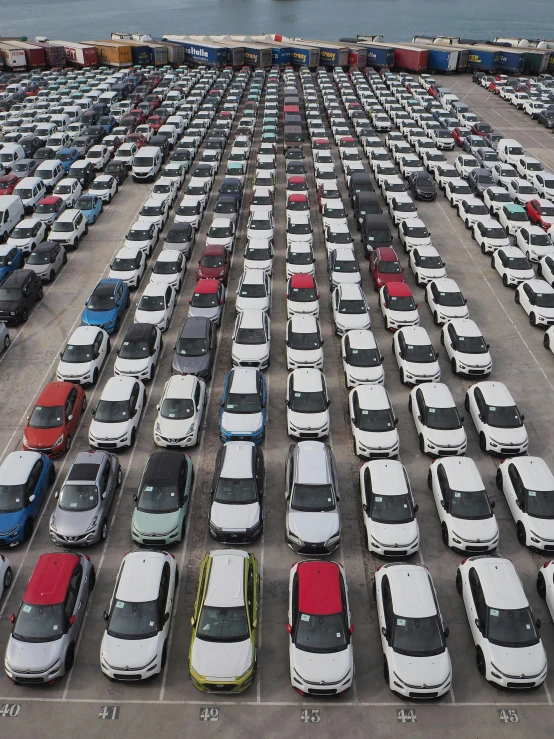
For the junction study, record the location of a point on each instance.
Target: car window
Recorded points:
(164, 592)
(387, 604)
(103, 482)
(73, 592)
(34, 477)
(250, 593)
(478, 596)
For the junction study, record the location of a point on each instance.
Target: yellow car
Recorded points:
(223, 654)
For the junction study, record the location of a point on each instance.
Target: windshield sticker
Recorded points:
(401, 622)
(148, 489)
(338, 634)
(304, 617)
(119, 604)
(457, 495)
(55, 627)
(532, 493)
(494, 612)
(27, 609)
(378, 499)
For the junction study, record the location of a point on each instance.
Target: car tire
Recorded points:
(459, 583)
(91, 579)
(504, 278)
(7, 341)
(521, 534)
(482, 442)
(128, 303)
(454, 366)
(517, 298)
(421, 444)
(119, 476)
(64, 260)
(94, 376)
(68, 443)
(402, 378)
(541, 585)
(8, 577)
(483, 250)
(133, 438)
(69, 658)
(94, 220)
(545, 341)
(40, 293)
(533, 320)
(436, 318)
(480, 661)
(28, 529)
(117, 324)
(444, 535)
(164, 655)
(386, 671)
(410, 403)
(466, 402)
(51, 276)
(86, 229)
(104, 530)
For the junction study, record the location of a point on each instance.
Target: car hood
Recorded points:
(101, 430)
(250, 352)
(422, 671)
(131, 365)
(8, 521)
(544, 527)
(42, 438)
(149, 316)
(378, 439)
(221, 660)
(365, 374)
(520, 663)
(508, 436)
(479, 531)
(342, 278)
(174, 429)
(353, 320)
(73, 523)
(155, 523)
(238, 423)
(210, 313)
(24, 656)
(446, 437)
(96, 317)
(210, 273)
(395, 536)
(322, 668)
(190, 365)
(74, 369)
(453, 311)
(253, 303)
(313, 527)
(7, 306)
(308, 420)
(234, 517)
(130, 653)
(422, 369)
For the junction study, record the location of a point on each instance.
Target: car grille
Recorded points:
(43, 450)
(318, 548)
(521, 685)
(549, 547)
(379, 455)
(472, 548)
(509, 450)
(71, 539)
(29, 680)
(448, 452)
(249, 364)
(154, 542)
(422, 695)
(322, 691)
(476, 372)
(106, 445)
(308, 435)
(220, 687)
(126, 676)
(395, 552)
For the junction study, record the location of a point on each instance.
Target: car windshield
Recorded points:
(300, 257)
(220, 624)
(470, 504)
(133, 620)
(152, 210)
(158, 498)
(401, 303)
(101, 185)
(304, 341)
(37, 257)
(26, 232)
(346, 265)
(418, 637)
(379, 236)
(225, 208)
(352, 307)
(539, 503)
(39, 623)
(391, 509)
(124, 264)
(299, 228)
(323, 634)
(139, 161)
(84, 203)
(541, 239)
(242, 403)
(503, 416)
(511, 628)
(212, 261)
(375, 420)
(517, 215)
(112, 411)
(312, 498)
(420, 353)
(100, 301)
(415, 232)
(165, 268)
(192, 347)
(236, 491)
(249, 290)
(335, 237)
(219, 232)
(451, 299)
(12, 498)
(472, 344)
(134, 350)
(65, 156)
(152, 303)
(308, 402)
(443, 418)
(260, 225)
(251, 336)
(262, 200)
(46, 417)
(76, 497)
(138, 235)
(177, 409)
(204, 300)
(257, 254)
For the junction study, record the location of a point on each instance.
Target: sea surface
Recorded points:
(397, 20)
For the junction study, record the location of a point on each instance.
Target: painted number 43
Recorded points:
(310, 716)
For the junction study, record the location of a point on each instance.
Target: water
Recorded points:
(397, 20)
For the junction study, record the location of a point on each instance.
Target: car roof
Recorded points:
(302, 280)
(319, 591)
(139, 332)
(307, 379)
(415, 335)
(514, 208)
(465, 326)
(243, 380)
(463, 473)
(437, 394)
(495, 393)
(226, 579)
(194, 327)
(312, 463)
(252, 318)
(500, 582)
(411, 591)
(55, 393)
(237, 460)
(118, 388)
(303, 324)
(254, 276)
(372, 397)
(206, 286)
(49, 582)
(140, 579)
(213, 250)
(15, 469)
(361, 339)
(351, 291)
(447, 285)
(535, 473)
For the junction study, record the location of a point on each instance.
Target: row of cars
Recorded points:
(534, 96)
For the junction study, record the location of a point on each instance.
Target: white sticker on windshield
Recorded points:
(304, 617)
(492, 407)
(457, 495)
(172, 495)
(532, 494)
(55, 627)
(494, 612)
(148, 489)
(151, 623)
(297, 395)
(27, 609)
(527, 626)
(91, 497)
(365, 413)
(73, 505)
(401, 622)
(119, 604)
(431, 410)
(339, 635)
(378, 499)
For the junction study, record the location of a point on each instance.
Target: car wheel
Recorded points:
(133, 437)
(84, 404)
(527, 255)
(117, 324)
(436, 318)
(69, 657)
(425, 297)
(68, 443)
(504, 278)
(521, 534)
(40, 293)
(429, 480)
(91, 579)
(498, 479)
(410, 403)
(128, 303)
(545, 341)
(28, 529)
(533, 320)
(7, 341)
(459, 584)
(541, 585)
(95, 376)
(119, 476)
(466, 223)
(480, 660)
(386, 671)
(108, 346)
(75, 244)
(51, 476)
(444, 535)
(104, 530)
(482, 442)
(517, 298)
(402, 378)
(8, 577)
(86, 229)
(109, 200)
(94, 220)
(421, 444)
(466, 402)
(454, 366)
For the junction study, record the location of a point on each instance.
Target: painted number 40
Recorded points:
(312, 716)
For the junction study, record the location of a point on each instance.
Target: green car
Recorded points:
(162, 500)
(223, 653)
(269, 138)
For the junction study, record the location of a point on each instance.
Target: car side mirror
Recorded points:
(478, 624)
(523, 416)
(462, 419)
(289, 628)
(72, 620)
(488, 346)
(538, 623)
(385, 632)
(135, 497)
(446, 633)
(31, 498)
(105, 616)
(351, 629)
(436, 355)
(86, 303)
(166, 617)
(465, 301)
(70, 417)
(57, 494)
(493, 504)
(443, 504)
(93, 411)
(416, 508)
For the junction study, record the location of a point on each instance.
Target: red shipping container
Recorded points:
(413, 60)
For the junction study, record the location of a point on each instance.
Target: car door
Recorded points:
(165, 599)
(477, 607)
(72, 411)
(515, 492)
(74, 604)
(184, 485)
(57, 257)
(198, 397)
(34, 492)
(106, 488)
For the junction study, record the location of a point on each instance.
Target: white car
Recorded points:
(426, 264)
(156, 305)
(495, 197)
(389, 511)
(258, 254)
(105, 187)
(343, 267)
(126, 153)
(464, 164)
(307, 404)
(28, 234)
(221, 233)
(69, 228)
(190, 210)
(133, 647)
(362, 360)
(402, 208)
(98, 156)
(456, 190)
(69, 190)
(545, 269)
(503, 173)
(521, 191)
(415, 356)
(117, 414)
(545, 585)
(472, 210)
(468, 523)
(432, 159)
(544, 184)
(509, 650)
(254, 291)
(319, 614)
(490, 235)
(142, 236)
(413, 637)
(497, 419)
(299, 228)
(83, 356)
(445, 300)
(528, 166)
(180, 412)
(373, 422)
(139, 352)
(155, 210)
(536, 297)
(6, 574)
(334, 214)
(251, 340)
(260, 226)
(304, 345)
(414, 233)
(439, 426)
(336, 235)
(350, 309)
(398, 306)
(466, 348)
(534, 242)
(512, 266)
(128, 265)
(169, 269)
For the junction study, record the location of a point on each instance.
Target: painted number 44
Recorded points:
(406, 716)
(310, 716)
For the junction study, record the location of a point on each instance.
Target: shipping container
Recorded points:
(159, 54)
(175, 53)
(113, 53)
(13, 57)
(485, 58)
(445, 59)
(379, 56)
(254, 55)
(411, 58)
(304, 56)
(280, 55)
(35, 57)
(511, 61)
(196, 52)
(141, 53)
(55, 55)
(537, 61)
(330, 54)
(82, 55)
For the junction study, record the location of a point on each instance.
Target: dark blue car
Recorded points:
(107, 303)
(24, 480)
(10, 258)
(108, 123)
(67, 157)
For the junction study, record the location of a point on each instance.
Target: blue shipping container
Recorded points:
(303, 56)
(198, 53)
(281, 56)
(512, 61)
(379, 56)
(485, 59)
(442, 60)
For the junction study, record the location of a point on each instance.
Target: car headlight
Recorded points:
(244, 674)
(158, 428)
(295, 538)
(59, 440)
(53, 523)
(92, 524)
(333, 539)
(191, 429)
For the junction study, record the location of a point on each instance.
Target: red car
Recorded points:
(541, 213)
(321, 145)
(297, 201)
(396, 296)
(54, 420)
(481, 129)
(138, 115)
(459, 135)
(214, 264)
(297, 183)
(385, 267)
(155, 122)
(302, 288)
(207, 294)
(138, 138)
(8, 183)
(154, 100)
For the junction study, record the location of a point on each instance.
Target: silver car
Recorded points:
(47, 260)
(83, 503)
(41, 647)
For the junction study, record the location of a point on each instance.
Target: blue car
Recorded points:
(243, 406)
(67, 157)
(24, 480)
(108, 123)
(10, 258)
(107, 303)
(91, 206)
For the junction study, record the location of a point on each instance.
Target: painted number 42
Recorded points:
(312, 716)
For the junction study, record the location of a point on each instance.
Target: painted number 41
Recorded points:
(312, 716)
(508, 716)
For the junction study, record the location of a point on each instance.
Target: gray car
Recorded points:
(83, 503)
(47, 259)
(180, 236)
(4, 337)
(194, 351)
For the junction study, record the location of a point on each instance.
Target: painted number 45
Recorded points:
(508, 716)
(312, 716)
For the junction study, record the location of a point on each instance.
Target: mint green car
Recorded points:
(162, 501)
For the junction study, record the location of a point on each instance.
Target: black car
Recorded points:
(96, 133)
(477, 76)
(162, 143)
(84, 172)
(44, 152)
(295, 167)
(546, 117)
(294, 153)
(18, 293)
(180, 236)
(375, 233)
(359, 182)
(194, 351)
(479, 179)
(31, 144)
(365, 204)
(422, 186)
(227, 206)
(90, 117)
(118, 170)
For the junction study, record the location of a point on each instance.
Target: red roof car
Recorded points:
(321, 145)
(8, 183)
(138, 138)
(50, 579)
(397, 296)
(385, 267)
(297, 201)
(155, 122)
(214, 264)
(540, 213)
(481, 129)
(302, 288)
(54, 420)
(459, 134)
